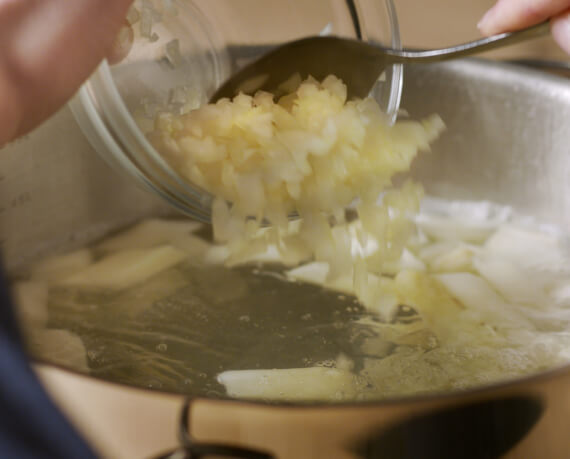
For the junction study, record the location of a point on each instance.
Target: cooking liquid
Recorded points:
(180, 329)
(192, 322)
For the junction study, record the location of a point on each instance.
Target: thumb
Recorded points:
(561, 30)
(509, 15)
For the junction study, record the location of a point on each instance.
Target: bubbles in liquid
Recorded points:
(326, 363)
(154, 384)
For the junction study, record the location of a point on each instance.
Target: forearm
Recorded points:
(49, 47)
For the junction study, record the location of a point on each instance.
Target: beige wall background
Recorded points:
(423, 23)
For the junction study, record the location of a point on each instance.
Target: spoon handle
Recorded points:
(477, 46)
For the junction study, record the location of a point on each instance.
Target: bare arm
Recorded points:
(508, 15)
(48, 48)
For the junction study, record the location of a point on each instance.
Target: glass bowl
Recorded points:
(184, 49)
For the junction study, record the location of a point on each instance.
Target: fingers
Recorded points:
(561, 30)
(49, 47)
(509, 15)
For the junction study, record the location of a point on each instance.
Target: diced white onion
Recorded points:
(301, 384)
(126, 268)
(58, 267)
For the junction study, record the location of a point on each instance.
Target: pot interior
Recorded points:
(506, 142)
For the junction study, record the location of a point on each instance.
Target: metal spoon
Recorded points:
(357, 63)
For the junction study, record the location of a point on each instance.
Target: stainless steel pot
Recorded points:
(508, 141)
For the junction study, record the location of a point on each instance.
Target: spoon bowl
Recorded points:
(357, 63)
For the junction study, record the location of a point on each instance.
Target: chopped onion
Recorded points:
(455, 229)
(309, 151)
(537, 250)
(58, 267)
(482, 302)
(126, 268)
(301, 384)
(150, 233)
(460, 258)
(515, 283)
(173, 54)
